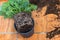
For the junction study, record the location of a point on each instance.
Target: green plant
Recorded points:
(12, 7)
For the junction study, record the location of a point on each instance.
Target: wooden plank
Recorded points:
(33, 37)
(20, 37)
(7, 36)
(42, 24)
(40, 20)
(42, 37)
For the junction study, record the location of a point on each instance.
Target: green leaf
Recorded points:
(12, 7)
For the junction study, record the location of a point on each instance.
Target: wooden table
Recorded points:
(42, 25)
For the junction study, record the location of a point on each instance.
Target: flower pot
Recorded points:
(24, 24)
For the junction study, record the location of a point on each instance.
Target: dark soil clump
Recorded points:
(24, 23)
(53, 33)
(52, 8)
(39, 3)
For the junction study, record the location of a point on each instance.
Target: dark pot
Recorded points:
(27, 34)
(27, 28)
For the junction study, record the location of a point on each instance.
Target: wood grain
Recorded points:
(43, 23)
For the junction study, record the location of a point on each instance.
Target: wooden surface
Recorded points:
(43, 24)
